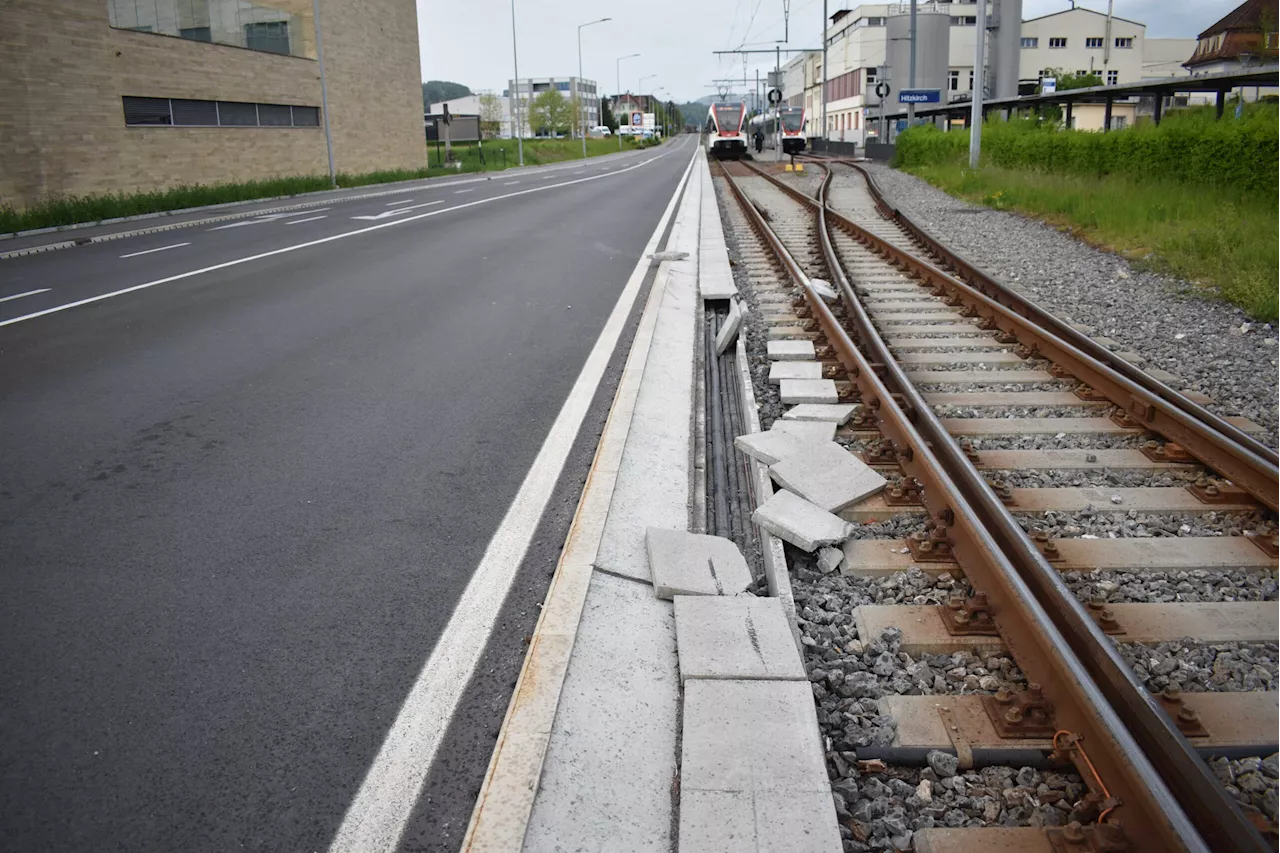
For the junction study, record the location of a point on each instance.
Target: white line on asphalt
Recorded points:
(376, 818)
(509, 183)
(398, 210)
(250, 258)
(28, 293)
(460, 192)
(308, 219)
(394, 203)
(579, 172)
(161, 249)
(549, 177)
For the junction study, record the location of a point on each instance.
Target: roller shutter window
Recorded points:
(194, 113)
(274, 115)
(235, 114)
(146, 111)
(306, 116)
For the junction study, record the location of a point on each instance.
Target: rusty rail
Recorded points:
(1046, 629)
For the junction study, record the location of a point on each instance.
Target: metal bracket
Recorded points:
(931, 547)
(964, 752)
(1019, 716)
(1269, 544)
(1213, 491)
(1048, 548)
(1058, 371)
(1003, 491)
(971, 452)
(969, 617)
(1186, 717)
(1094, 838)
(903, 492)
(1104, 616)
(1090, 395)
(1124, 419)
(1168, 452)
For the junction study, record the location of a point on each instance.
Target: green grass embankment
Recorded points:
(1193, 198)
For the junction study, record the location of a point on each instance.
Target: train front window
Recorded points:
(729, 117)
(792, 121)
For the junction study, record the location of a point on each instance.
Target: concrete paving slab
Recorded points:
(808, 391)
(827, 475)
(606, 778)
(686, 563)
(772, 445)
(716, 283)
(780, 370)
(837, 413)
(752, 775)
(743, 637)
(790, 350)
(812, 430)
(729, 330)
(796, 520)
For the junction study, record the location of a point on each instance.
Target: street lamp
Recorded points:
(582, 120)
(515, 91)
(663, 111)
(640, 86)
(618, 90)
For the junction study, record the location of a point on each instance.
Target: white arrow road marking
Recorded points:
(398, 210)
(271, 217)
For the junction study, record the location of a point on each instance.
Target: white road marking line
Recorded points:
(28, 293)
(161, 249)
(308, 219)
(250, 258)
(509, 183)
(549, 177)
(398, 210)
(376, 818)
(269, 218)
(394, 203)
(579, 172)
(460, 192)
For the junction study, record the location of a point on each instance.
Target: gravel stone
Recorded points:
(1162, 587)
(1204, 668)
(942, 763)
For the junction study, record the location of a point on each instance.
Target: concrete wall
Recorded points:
(62, 120)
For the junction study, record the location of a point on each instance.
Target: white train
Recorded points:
(791, 121)
(725, 136)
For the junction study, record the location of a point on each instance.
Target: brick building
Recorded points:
(125, 95)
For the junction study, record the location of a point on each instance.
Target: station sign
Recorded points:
(920, 96)
(637, 119)
(1049, 86)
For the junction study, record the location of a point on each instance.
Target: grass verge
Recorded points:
(498, 154)
(1221, 239)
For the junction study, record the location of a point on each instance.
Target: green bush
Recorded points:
(1189, 145)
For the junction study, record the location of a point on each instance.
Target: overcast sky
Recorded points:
(470, 42)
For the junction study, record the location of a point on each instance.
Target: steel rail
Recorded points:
(988, 544)
(1214, 812)
(996, 290)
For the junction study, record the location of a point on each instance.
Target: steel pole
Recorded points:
(825, 139)
(617, 92)
(777, 130)
(324, 93)
(515, 92)
(911, 74)
(582, 124)
(979, 83)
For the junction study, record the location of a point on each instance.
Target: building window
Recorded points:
(1057, 42)
(1118, 122)
(971, 80)
(562, 87)
(182, 112)
(1082, 73)
(871, 78)
(1124, 43)
(953, 80)
(964, 21)
(1113, 78)
(273, 26)
(1093, 42)
(1031, 42)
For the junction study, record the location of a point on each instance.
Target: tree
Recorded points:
(606, 116)
(550, 113)
(491, 115)
(435, 91)
(1052, 113)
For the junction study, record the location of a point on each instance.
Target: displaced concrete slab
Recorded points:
(780, 370)
(716, 283)
(771, 445)
(808, 391)
(827, 475)
(606, 779)
(812, 430)
(837, 413)
(741, 637)
(729, 329)
(790, 350)
(752, 775)
(685, 563)
(796, 520)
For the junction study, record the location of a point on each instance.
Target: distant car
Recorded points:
(601, 130)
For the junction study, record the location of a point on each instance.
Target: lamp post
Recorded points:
(661, 118)
(515, 92)
(640, 92)
(618, 90)
(582, 107)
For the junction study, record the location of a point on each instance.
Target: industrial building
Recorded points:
(574, 88)
(105, 96)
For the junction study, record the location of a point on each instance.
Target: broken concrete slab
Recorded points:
(752, 775)
(729, 329)
(812, 430)
(827, 475)
(741, 637)
(836, 413)
(829, 559)
(790, 350)
(824, 290)
(684, 563)
(806, 526)
(780, 370)
(772, 445)
(808, 391)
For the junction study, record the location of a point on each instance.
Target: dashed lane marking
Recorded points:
(161, 249)
(28, 293)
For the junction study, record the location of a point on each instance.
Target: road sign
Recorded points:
(775, 79)
(637, 119)
(920, 96)
(775, 96)
(1048, 85)
(882, 90)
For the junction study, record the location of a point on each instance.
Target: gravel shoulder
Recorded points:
(1212, 345)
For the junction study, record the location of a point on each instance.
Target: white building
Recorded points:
(581, 89)
(469, 105)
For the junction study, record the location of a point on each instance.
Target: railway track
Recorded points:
(1006, 438)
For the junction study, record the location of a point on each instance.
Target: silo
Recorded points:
(933, 46)
(1004, 48)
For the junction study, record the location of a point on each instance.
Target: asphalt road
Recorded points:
(243, 484)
